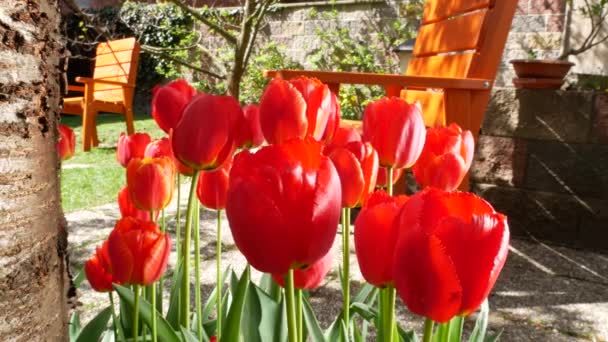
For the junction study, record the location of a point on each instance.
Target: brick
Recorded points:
(555, 23)
(528, 23)
(499, 160)
(539, 114)
(600, 119)
(575, 169)
(547, 6)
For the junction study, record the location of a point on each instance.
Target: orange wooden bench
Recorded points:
(455, 59)
(110, 90)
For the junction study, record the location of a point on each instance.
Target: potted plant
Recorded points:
(549, 73)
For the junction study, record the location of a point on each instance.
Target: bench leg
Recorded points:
(129, 120)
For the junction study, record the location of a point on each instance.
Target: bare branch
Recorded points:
(214, 27)
(183, 63)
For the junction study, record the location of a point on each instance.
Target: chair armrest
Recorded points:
(88, 80)
(75, 88)
(331, 77)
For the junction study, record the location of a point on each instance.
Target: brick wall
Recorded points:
(542, 159)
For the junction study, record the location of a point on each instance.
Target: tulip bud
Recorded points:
(128, 209)
(138, 251)
(168, 103)
(162, 148)
(375, 237)
(151, 182)
(67, 142)
(311, 277)
(250, 134)
(396, 130)
(446, 157)
(451, 248)
(131, 146)
(357, 166)
(213, 185)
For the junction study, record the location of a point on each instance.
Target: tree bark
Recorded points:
(33, 238)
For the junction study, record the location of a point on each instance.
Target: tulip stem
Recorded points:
(390, 313)
(389, 177)
(153, 292)
(185, 290)
(299, 314)
(117, 325)
(381, 314)
(197, 269)
(218, 262)
(442, 332)
(291, 317)
(136, 314)
(161, 282)
(178, 220)
(346, 264)
(428, 330)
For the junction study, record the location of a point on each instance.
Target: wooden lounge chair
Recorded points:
(458, 50)
(110, 90)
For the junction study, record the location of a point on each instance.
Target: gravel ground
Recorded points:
(545, 293)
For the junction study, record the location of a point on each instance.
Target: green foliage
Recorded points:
(367, 51)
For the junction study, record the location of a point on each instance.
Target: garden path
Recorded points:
(544, 293)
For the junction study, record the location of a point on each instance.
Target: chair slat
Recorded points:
(438, 10)
(113, 58)
(432, 105)
(441, 66)
(115, 70)
(457, 34)
(116, 46)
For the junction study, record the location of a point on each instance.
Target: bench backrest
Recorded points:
(115, 60)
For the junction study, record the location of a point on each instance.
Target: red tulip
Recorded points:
(357, 166)
(205, 136)
(131, 146)
(297, 108)
(382, 182)
(151, 182)
(128, 209)
(250, 134)
(213, 185)
(376, 237)
(283, 205)
(311, 277)
(67, 142)
(396, 130)
(139, 252)
(169, 101)
(99, 270)
(343, 136)
(450, 251)
(162, 148)
(213, 339)
(446, 157)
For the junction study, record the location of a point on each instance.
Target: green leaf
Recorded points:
(270, 287)
(281, 323)
(367, 312)
(108, 336)
(311, 322)
(271, 315)
(456, 325)
(74, 326)
(252, 316)
(345, 335)
(173, 311)
(481, 324)
(364, 293)
(493, 338)
(188, 336)
(212, 299)
(164, 329)
(407, 336)
(231, 327)
(333, 333)
(93, 330)
(126, 317)
(79, 278)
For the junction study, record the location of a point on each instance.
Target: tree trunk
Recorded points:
(33, 238)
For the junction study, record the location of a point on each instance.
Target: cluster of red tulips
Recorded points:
(286, 172)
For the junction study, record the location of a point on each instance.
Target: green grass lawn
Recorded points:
(93, 178)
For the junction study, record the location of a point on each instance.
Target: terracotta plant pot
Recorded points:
(540, 74)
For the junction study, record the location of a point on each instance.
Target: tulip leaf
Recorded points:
(173, 311)
(357, 334)
(164, 329)
(407, 336)
(126, 317)
(188, 336)
(333, 333)
(364, 293)
(345, 334)
(252, 316)
(481, 324)
(272, 289)
(311, 322)
(281, 322)
(108, 336)
(93, 330)
(455, 331)
(74, 326)
(212, 299)
(231, 327)
(79, 278)
(365, 311)
(493, 338)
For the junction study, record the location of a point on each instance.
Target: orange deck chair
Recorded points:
(455, 59)
(110, 90)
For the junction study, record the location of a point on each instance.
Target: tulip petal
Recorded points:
(282, 112)
(351, 176)
(425, 277)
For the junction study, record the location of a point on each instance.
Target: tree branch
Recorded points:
(216, 28)
(182, 62)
